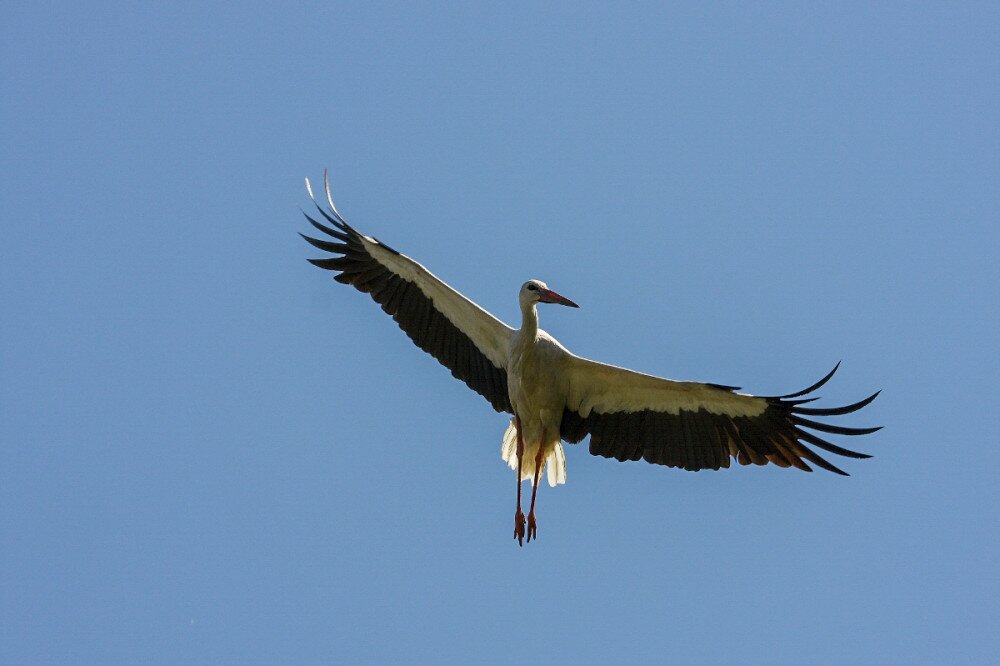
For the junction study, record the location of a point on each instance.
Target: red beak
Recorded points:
(548, 296)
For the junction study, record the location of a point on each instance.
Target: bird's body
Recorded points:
(555, 396)
(537, 390)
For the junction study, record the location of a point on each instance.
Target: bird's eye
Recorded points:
(532, 287)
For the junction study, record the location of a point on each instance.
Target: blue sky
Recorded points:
(210, 452)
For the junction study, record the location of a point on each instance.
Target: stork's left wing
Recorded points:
(462, 336)
(694, 426)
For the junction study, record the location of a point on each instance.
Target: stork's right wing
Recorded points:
(633, 416)
(465, 338)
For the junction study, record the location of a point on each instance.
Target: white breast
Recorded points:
(535, 377)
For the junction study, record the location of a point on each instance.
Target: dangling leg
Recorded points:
(539, 458)
(519, 515)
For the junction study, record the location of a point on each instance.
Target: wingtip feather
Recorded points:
(329, 197)
(831, 411)
(814, 386)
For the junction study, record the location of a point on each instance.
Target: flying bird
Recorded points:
(555, 396)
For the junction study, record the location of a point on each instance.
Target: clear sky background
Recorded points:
(210, 452)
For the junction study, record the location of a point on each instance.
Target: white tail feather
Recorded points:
(557, 465)
(508, 446)
(554, 464)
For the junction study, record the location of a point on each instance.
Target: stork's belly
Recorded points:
(530, 391)
(532, 405)
(536, 401)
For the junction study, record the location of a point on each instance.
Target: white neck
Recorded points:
(529, 320)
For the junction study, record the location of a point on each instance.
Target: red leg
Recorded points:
(519, 515)
(532, 527)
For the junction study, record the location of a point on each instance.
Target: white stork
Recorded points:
(555, 395)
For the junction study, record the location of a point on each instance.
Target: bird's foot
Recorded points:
(519, 527)
(532, 527)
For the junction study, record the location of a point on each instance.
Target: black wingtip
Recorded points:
(814, 386)
(327, 246)
(325, 229)
(835, 429)
(793, 403)
(336, 219)
(827, 446)
(833, 411)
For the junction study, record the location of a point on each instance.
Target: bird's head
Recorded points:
(536, 291)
